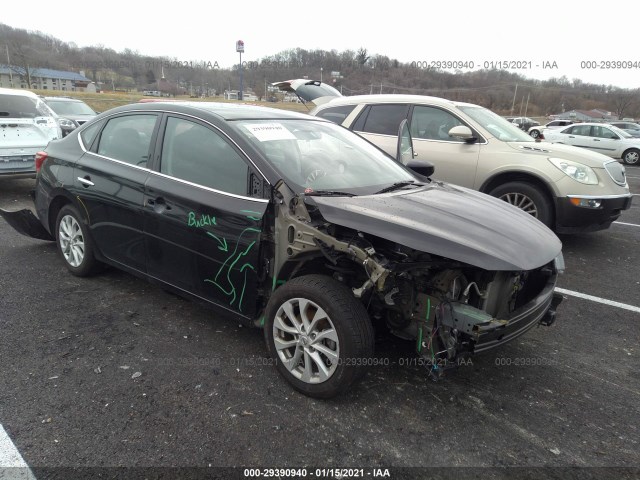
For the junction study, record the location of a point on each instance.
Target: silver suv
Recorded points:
(567, 188)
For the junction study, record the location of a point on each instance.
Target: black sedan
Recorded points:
(297, 225)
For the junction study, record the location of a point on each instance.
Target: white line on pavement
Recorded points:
(11, 462)
(630, 224)
(598, 299)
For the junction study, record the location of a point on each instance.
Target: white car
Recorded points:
(599, 137)
(27, 125)
(553, 125)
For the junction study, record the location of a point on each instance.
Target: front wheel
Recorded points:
(631, 157)
(319, 334)
(528, 198)
(74, 242)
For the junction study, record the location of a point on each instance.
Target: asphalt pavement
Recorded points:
(113, 377)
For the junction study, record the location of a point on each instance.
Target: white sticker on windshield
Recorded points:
(266, 132)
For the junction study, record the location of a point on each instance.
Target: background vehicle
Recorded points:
(294, 224)
(566, 188)
(602, 138)
(630, 127)
(27, 125)
(523, 123)
(553, 125)
(72, 112)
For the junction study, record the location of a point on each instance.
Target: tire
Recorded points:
(527, 197)
(534, 133)
(74, 242)
(631, 157)
(347, 344)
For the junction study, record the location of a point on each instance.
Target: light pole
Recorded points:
(320, 74)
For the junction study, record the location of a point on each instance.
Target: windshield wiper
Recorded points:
(328, 193)
(398, 185)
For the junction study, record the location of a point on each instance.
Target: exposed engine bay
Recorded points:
(450, 309)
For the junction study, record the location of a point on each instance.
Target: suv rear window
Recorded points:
(20, 106)
(336, 114)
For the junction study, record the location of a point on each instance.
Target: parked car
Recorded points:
(27, 125)
(292, 223)
(602, 138)
(524, 123)
(72, 112)
(536, 131)
(568, 189)
(631, 128)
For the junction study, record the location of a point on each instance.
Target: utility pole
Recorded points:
(9, 66)
(514, 99)
(527, 106)
(240, 49)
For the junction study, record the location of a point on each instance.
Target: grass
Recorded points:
(101, 102)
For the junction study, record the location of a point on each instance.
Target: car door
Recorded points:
(202, 227)
(605, 141)
(379, 124)
(455, 160)
(109, 184)
(577, 135)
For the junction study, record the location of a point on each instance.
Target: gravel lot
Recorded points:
(113, 372)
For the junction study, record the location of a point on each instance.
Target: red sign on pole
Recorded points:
(240, 46)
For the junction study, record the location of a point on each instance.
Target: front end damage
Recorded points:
(450, 309)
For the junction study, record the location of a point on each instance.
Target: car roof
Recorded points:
(393, 98)
(226, 111)
(14, 91)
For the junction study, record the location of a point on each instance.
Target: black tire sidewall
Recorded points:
(349, 319)
(88, 264)
(543, 204)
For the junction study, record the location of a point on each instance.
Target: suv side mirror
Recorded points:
(404, 150)
(462, 132)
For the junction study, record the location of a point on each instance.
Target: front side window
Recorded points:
(433, 124)
(200, 155)
(128, 138)
(603, 132)
(385, 119)
(496, 125)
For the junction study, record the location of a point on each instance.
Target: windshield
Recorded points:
(22, 106)
(70, 108)
(317, 156)
(496, 125)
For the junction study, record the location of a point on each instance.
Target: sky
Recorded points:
(540, 39)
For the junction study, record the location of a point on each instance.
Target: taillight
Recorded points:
(40, 158)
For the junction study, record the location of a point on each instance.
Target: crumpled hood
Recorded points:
(567, 152)
(452, 222)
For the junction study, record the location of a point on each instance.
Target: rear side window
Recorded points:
(336, 114)
(197, 154)
(128, 138)
(582, 130)
(385, 119)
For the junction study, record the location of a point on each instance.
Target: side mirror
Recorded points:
(404, 150)
(421, 167)
(462, 132)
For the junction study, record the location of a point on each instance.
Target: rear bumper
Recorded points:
(572, 219)
(539, 311)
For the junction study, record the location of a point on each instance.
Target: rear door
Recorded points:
(577, 135)
(109, 183)
(202, 226)
(379, 124)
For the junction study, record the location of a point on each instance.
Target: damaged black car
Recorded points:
(298, 226)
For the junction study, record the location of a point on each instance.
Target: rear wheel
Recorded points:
(631, 157)
(74, 242)
(528, 198)
(534, 133)
(319, 334)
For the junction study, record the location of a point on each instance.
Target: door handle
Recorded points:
(159, 204)
(86, 181)
(596, 140)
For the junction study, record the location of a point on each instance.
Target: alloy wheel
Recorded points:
(71, 240)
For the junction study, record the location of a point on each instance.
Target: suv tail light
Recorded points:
(40, 158)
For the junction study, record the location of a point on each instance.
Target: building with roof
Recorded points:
(12, 76)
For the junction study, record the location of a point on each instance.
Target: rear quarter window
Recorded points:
(336, 114)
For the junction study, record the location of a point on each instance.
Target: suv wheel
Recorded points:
(74, 242)
(528, 198)
(631, 157)
(319, 334)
